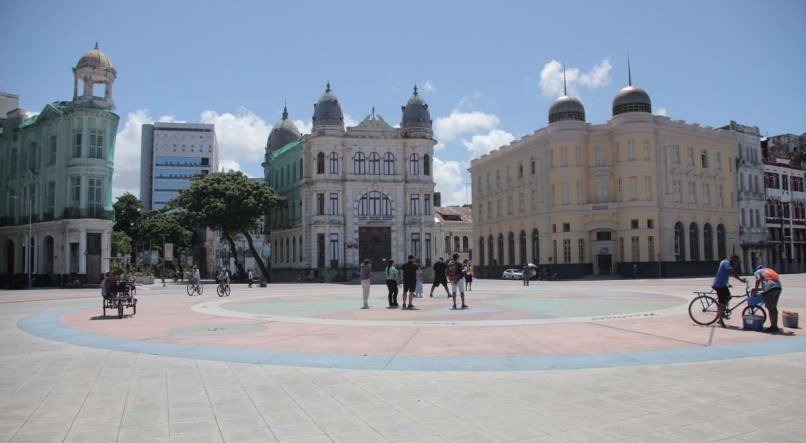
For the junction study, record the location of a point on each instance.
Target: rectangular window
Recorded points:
(603, 235)
(498, 209)
(77, 145)
(427, 249)
(578, 155)
(53, 150)
(718, 161)
(95, 194)
(601, 156)
(12, 167)
(720, 201)
(334, 250)
(554, 249)
(566, 191)
(634, 223)
(676, 154)
(564, 156)
(678, 191)
(509, 174)
(75, 191)
(489, 210)
(96, 143)
(631, 150)
(520, 169)
(636, 250)
(532, 166)
(334, 204)
(647, 155)
(509, 205)
(51, 197)
(581, 250)
(648, 187)
(33, 157)
(533, 200)
(692, 192)
(426, 204)
(690, 151)
(704, 158)
(580, 193)
(618, 189)
(706, 193)
(566, 250)
(521, 203)
(650, 248)
(633, 188)
(650, 224)
(601, 192)
(415, 244)
(566, 227)
(320, 204)
(414, 204)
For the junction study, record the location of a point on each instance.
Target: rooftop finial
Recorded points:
(96, 45)
(565, 88)
(285, 110)
(328, 87)
(373, 112)
(629, 71)
(415, 89)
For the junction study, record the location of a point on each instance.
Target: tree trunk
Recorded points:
(234, 253)
(255, 254)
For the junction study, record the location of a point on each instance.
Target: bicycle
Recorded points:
(193, 287)
(703, 309)
(223, 289)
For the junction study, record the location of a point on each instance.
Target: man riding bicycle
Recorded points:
(727, 268)
(223, 276)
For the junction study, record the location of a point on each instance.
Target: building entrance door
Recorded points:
(605, 262)
(375, 243)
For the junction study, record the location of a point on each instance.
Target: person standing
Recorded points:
(457, 280)
(469, 275)
(249, 277)
(768, 281)
(366, 280)
(727, 268)
(527, 274)
(440, 279)
(418, 287)
(409, 270)
(391, 282)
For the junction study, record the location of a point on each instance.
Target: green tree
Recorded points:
(121, 243)
(155, 223)
(231, 203)
(128, 213)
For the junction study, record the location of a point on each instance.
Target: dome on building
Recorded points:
(631, 99)
(283, 133)
(327, 110)
(94, 58)
(416, 113)
(566, 108)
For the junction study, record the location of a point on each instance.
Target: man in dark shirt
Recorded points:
(439, 277)
(409, 270)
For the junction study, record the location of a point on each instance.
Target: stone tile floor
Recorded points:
(52, 391)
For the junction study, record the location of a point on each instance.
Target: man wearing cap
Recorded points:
(772, 290)
(727, 268)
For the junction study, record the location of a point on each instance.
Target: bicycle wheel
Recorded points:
(755, 310)
(220, 290)
(190, 289)
(200, 288)
(227, 290)
(703, 310)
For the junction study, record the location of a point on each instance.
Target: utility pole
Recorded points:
(163, 258)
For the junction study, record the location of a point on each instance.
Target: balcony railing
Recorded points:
(374, 218)
(92, 212)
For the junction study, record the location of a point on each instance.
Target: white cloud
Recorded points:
(551, 78)
(126, 177)
(428, 86)
(481, 144)
(447, 129)
(661, 111)
(241, 135)
(450, 180)
(227, 165)
(304, 127)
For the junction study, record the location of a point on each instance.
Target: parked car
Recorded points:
(512, 274)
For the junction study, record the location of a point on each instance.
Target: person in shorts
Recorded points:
(409, 270)
(768, 283)
(727, 269)
(440, 278)
(458, 281)
(469, 275)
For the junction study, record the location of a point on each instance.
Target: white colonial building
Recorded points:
(56, 180)
(353, 193)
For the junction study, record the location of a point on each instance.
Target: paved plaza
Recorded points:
(554, 361)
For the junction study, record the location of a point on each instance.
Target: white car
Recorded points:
(512, 274)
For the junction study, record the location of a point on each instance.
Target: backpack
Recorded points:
(454, 269)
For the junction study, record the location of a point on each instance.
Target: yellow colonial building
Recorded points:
(640, 195)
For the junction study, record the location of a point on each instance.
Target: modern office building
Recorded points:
(353, 193)
(638, 195)
(171, 154)
(56, 180)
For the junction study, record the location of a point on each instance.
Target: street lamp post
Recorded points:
(163, 258)
(28, 257)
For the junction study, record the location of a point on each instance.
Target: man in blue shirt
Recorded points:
(727, 268)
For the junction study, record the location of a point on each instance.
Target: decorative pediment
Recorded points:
(49, 113)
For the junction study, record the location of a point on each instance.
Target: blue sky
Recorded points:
(489, 70)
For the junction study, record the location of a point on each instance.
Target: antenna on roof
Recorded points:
(629, 70)
(565, 88)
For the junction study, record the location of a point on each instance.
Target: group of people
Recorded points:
(768, 283)
(458, 272)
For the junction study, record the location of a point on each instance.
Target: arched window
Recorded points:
(465, 244)
(389, 163)
(334, 163)
(374, 203)
(490, 251)
(448, 244)
(708, 241)
(359, 163)
(481, 251)
(721, 243)
(679, 242)
(456, 244)
(500, 249)
(287, 250)
(320, 163)
(522, 247)
(426, 164)
(374, 163)
(694, 241)
(414, 164)
(511, 247)
(535, 246)
(300, 248)
(294, 248)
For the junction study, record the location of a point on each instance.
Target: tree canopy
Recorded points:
(155, 223)
(128, 212)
